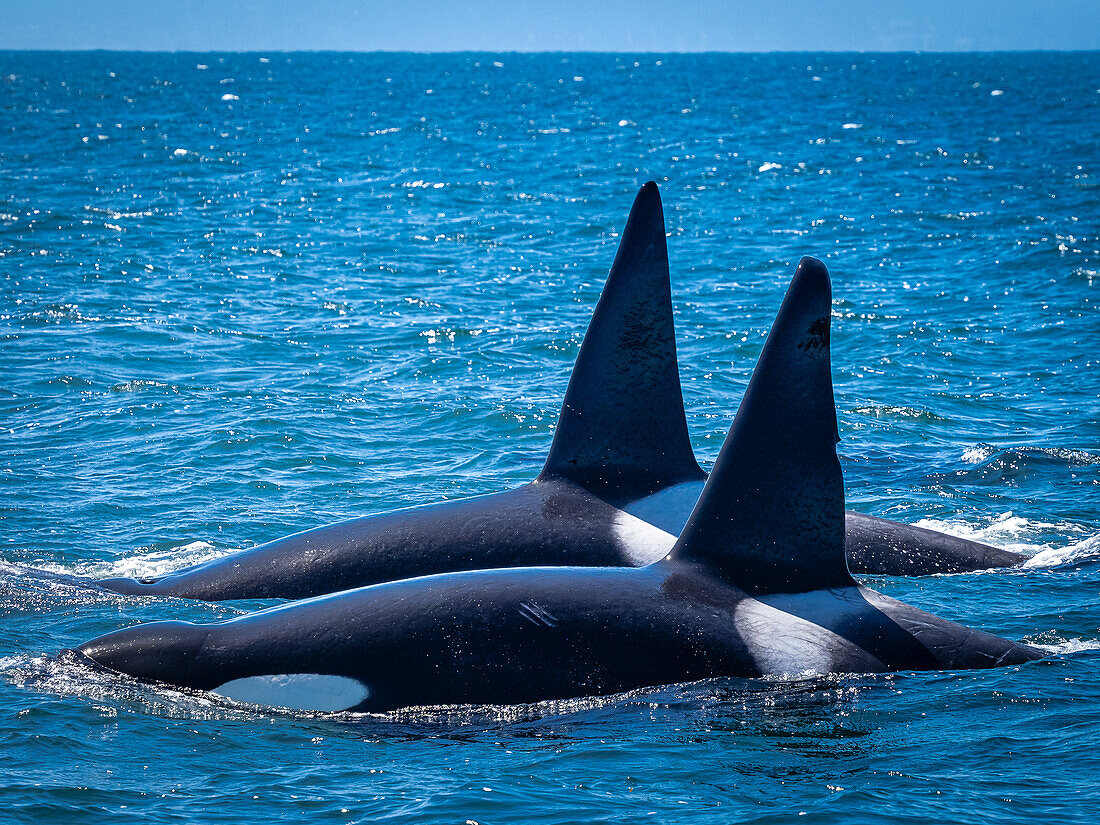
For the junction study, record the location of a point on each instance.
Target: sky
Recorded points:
(550, 25)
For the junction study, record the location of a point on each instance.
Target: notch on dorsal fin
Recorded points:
(771, 517)
(622, 431)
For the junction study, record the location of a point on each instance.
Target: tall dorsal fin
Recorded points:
(771, 517)
(622, 431)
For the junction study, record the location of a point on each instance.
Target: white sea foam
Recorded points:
(767, 167)
(978, 453)
(1071, 554)
(148, 563)
(1028, 536)
(64, 675)
(1069, 646)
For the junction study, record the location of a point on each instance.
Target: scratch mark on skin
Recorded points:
(537, 615)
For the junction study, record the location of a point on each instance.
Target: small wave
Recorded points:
(150, 563)
(139, 384)
(60, 314)
(1067, 647)
(894, 411)
(67, 675)
(748, 695)
(25, 589)
(449, 334)
(978, 453)
(1023, 535)
(994, 465)
(1073, 554)
(70, 381)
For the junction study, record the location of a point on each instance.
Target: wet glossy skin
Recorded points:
(756, 585)
(548, 522)
(522, 635)
(619, 483)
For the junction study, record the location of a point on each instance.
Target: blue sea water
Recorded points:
(244, 294)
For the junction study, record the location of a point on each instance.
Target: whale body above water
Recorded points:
(756, 585)
(617, 488)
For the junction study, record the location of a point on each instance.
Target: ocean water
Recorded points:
(245, 294)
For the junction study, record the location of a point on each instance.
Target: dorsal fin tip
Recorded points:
(622, 431)
(771, 517)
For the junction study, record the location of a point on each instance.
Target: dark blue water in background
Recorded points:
(244, 295)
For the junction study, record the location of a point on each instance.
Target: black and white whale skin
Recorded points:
(617, 488)
(756, 585)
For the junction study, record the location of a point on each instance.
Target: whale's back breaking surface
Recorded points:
(618, 485)
(524, 635)
(736, 596)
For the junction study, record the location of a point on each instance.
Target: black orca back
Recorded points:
(622, 431)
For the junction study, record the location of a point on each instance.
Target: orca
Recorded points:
(617, 487)
(756, 585)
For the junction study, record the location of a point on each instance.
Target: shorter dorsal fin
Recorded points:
(771, 517)
(622, 431)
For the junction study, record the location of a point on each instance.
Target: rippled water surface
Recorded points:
(244, 295)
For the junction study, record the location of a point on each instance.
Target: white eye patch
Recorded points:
(297, 691)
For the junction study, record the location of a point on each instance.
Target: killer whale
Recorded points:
(756, 585)
(617, 487)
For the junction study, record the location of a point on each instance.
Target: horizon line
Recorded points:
(550, 51)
